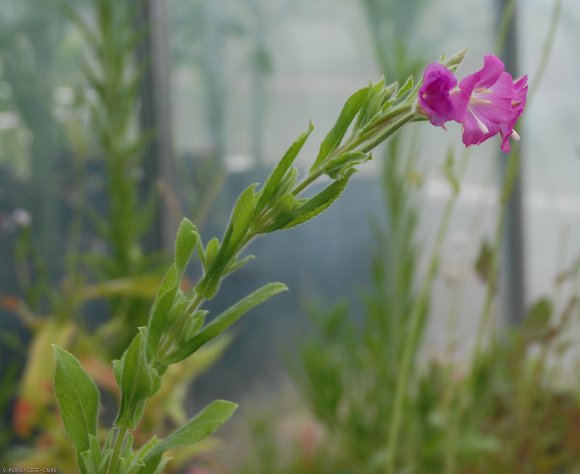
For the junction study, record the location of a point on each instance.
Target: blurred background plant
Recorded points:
(93, 298)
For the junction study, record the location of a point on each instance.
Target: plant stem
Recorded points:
(392, 129)
(371, 129)
(361, 139)
(546, 50)
(307, 182)
(511, 176)
(415, 329)
(117, 449)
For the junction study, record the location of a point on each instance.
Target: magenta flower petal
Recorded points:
(435, 98)
(492, 69)
(486, 103)
(477, 129)
(518, 104)
(490, 91)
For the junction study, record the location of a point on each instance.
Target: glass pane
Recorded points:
(246, 78)
(552, 147)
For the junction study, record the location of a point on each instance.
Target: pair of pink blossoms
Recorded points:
(486, 103)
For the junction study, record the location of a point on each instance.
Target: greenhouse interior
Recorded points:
(290, 236)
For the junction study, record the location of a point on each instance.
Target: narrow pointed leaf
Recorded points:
(242, 214)
(162, 305)
(138, 382)
(407, 86)
(211, 250)
(232, 243)
(78, 399)
(315, 205)
(225, 320)
(275, 178)
(239, 264)
(375, 99)
(351, 107)
(196, 429)
(185, 243)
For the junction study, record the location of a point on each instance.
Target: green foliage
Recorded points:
(148, 459)
(138, 381)
(185, 244)
(276, 183)
(484, 262)
(340, 166)
(313, 206)
(351, 108)
(234, 240)
(91, 460)
(114, 75)
(198, 428)
(162, 305)
(177, 323)
(225, 320)
(78, 399)
(348, 372)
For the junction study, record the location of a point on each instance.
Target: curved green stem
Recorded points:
(365, 138)
(546, 50)
(307, 182)
(117, 450)
(510, 179)
(415, 329)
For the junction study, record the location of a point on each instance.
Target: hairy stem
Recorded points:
(117, 450)
(415, 329)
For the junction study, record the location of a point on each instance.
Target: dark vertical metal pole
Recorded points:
(513, 262)
(153, 54)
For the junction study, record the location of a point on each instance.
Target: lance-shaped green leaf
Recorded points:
(194, 323)
(209, 284)
(179, 307)
(374, 102)
(185, 243)
(233, 241)
(154, 465)
(225, 320)
(139, 381)
(158, 320)
(272, 183)
(196, 429)
(407, 86)
(91, 460)
(390, 97)
(313, 206)
(78, 399)
(242, 215)
(207, 256)
(237, 264)
(332, 141)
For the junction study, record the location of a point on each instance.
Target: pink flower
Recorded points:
(489, 92)
(435, 98)
(518, 104)
(486, 103)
